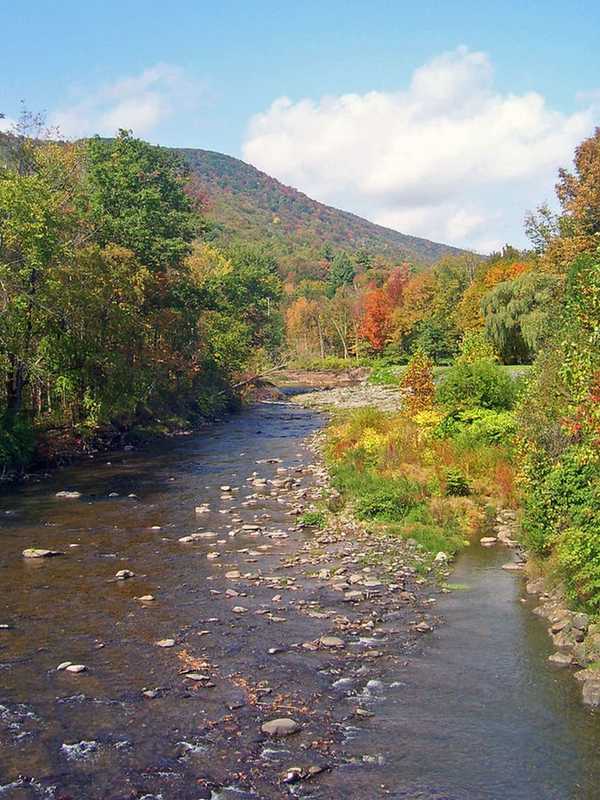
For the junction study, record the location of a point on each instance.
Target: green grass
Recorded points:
(391, 374)
(313, 519)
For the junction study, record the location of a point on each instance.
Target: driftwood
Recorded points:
(258, 377)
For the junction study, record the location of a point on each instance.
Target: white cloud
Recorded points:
(449, 157)
(141, 102)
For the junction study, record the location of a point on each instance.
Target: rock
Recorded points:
(561, 659)
(147, 598)
(197, 676)
(591, 692)
(513, 566)
(488, 541)
(76, 668)
(353, 597)
(442, 558)
(535, 587)
(165, 643)
(204, 509)
(63, 666)
(580, 621)
(233, 574)
(124, 574)
(239, 610)
(564, 640)
(38, 552)
(331, 641)
(560, 625)
(68, 495)
(423, 627)
(280, 727)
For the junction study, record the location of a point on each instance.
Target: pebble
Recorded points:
(423, 627)
(281, 727)
(124, 574)
(76, 668)
(38, 552)
(331, 641)
(68, 495)
(165, 643)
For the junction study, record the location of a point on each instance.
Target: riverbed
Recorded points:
(468, 710)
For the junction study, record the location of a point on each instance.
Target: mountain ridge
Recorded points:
(242, 202)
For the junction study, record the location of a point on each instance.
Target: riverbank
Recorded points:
(373, 457)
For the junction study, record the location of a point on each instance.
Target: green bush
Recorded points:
(480, 383)
(567, 495)
(456, 483)
(312, 519)
(478, 426)
(17, 443)
(390, 502)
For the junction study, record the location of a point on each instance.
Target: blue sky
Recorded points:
(207, 75)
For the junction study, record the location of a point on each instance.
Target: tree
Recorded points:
(516, 315)
(375, 322)
(341, 273)
(136, 198)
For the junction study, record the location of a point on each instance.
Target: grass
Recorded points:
(391, 375)
(398, 475)
(313, 519)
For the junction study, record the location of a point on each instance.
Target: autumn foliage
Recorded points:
(418, 384)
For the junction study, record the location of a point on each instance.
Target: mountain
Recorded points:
(242, 202)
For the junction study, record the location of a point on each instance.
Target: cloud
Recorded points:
(448, 157)
(141, 102)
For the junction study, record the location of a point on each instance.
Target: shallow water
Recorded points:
(480, 714)
(476, 714)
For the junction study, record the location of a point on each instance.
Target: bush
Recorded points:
(456, 483)
(17, 443)
(480, 383)
(417, 380)
(312, 519)
(390, 503)
(478, 425)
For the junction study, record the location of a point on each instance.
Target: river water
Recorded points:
(475, 713)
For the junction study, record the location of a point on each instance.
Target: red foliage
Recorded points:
(377, 310)
(394, 286)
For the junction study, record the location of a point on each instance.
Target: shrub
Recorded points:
(390, 501)
(480, 383)
(474, 347)
(17, 443)
(456, 483)
(478, 425)
(417, 381)
(312, 519)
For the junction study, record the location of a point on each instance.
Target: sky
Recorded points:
(447, 120)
